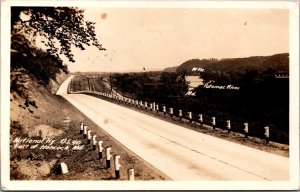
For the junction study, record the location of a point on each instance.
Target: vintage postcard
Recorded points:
(99, 95)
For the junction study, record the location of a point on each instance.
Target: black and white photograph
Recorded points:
(149, 95)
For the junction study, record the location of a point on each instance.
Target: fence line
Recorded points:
(104, 161)
(183, 116)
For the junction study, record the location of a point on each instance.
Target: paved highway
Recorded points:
(180, 153)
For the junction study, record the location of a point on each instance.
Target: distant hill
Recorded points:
(277, 62)
(170, 69)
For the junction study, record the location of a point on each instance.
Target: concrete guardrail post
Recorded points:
(190, 116)
(267, 134)
(131, 174)
(100, 148)
(64, 168)
(171, 112)
(94, 142)
(84, 131)
(81, 128)
(214, 122)
(141, 104)
(180, 114)
(108, 156)
(246, 130)
(228, 125)
(164, 109)
(117, 166)
(89, 136)
(201, 119)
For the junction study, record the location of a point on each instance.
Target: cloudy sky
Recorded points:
(156, 38)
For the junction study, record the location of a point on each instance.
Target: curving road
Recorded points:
(180, 153)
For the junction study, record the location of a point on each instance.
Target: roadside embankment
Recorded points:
(46, 134)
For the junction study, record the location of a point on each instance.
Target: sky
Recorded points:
(156, 38)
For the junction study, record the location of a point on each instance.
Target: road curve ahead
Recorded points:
(180, 153)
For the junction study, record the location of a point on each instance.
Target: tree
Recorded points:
(60, 27)
(64, 26)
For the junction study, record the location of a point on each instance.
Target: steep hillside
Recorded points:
(277, 62)
(170, 69)
(36, 113)
(39, 99)
(53, 117)
(187, 66)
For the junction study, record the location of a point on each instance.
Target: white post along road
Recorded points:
(178, 152)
